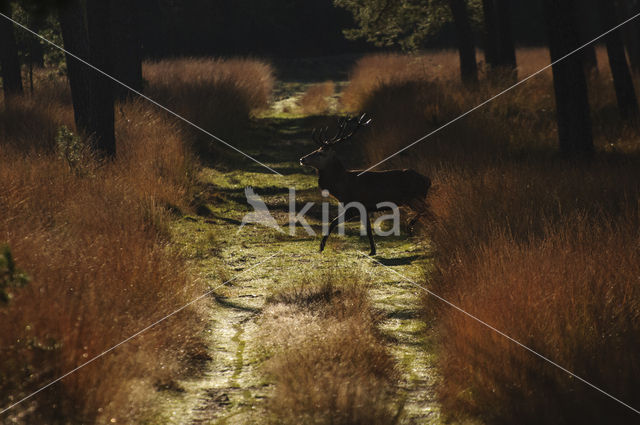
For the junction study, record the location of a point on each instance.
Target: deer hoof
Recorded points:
(372, 253)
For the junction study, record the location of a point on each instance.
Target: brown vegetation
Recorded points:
(94, 241)
(316, 99)
(215, 94)
(541, 248)
(329, 363)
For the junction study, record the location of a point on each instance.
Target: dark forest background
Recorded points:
(284, 28)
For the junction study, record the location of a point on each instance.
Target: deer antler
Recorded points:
(346, 129)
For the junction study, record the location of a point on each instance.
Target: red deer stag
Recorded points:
(401, 187)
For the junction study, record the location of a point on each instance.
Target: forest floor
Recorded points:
(234, 388)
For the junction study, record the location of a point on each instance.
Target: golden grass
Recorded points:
(93, 239)
(316, 99)
(548, 256)
(329, 363)
(411, 96)
(218, 95)
(541, 248)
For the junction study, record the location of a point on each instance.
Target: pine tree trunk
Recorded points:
(466, 48)
(126, 47)
(98, 26)
(91, 92)
(506, 48)
(622, 82)
(76, 41)
(632, 34)
(11, 75)
(570, 86)
(589, 59)
(586, 32)
(490, 34)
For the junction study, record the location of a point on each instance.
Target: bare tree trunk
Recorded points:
(466, 48)
(587, 31)
(632, 33)
(126, 46)
(570, 86)
(76, 41)
(506, 49)
(11, 75)
(589, 59)
(490, 34)
(500, 51)
(85, 34)
(622, 82)
(98, 23)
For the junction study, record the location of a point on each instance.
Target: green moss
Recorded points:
(218, 252)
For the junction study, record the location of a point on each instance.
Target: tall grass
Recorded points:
(542, 248)
(218, 95)
(316, 99)
(329, 363)
(411, 96)
(93, 239)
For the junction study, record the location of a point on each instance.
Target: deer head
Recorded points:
(325, 154)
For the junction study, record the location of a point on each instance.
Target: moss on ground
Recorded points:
(233, 389)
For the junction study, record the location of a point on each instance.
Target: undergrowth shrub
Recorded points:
(543, 249)
(327, 359)
(95, 246)
(218, 95)
(547, 253)
(316, 99)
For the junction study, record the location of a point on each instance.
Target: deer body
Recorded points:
(402, 187)
(370, 189)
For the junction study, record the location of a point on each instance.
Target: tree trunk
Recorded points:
(98, 23)
(76, 41)
(622, 82)
(490, 34)
(570, 86)
(91, 92)
(506, 48)
(632, 34)
(126, 47)
(466, 48)
(11, 75)
(587, 31)
(589, 59)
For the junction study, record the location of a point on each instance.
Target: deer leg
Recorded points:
(348, 215)
(370, 235)
(420, 208)
(413, 222)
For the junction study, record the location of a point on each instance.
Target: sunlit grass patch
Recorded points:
(316, 100)
(329, 363)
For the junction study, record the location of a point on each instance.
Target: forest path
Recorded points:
(234, 388)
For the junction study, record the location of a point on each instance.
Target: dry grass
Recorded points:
(93, 239)
(549, 257)
(215, 94)
(316, 99)
(410, 96)
(329, 364)
(543, 249)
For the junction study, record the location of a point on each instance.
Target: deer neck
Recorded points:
(332, 178)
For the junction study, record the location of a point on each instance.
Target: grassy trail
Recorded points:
(234, 389)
